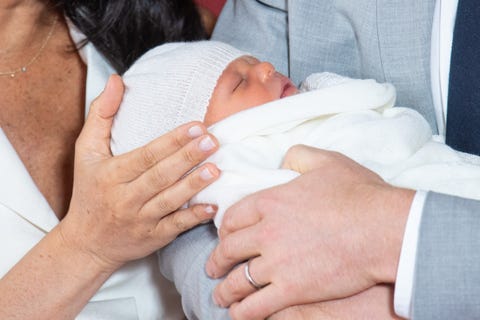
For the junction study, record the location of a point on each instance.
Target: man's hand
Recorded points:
(331, 233)
(375, 303)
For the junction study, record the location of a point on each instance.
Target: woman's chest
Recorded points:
(42, 117)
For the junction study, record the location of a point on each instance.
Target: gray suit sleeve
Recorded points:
(447, 276)
(183, 262)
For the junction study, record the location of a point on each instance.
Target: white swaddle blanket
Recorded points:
(354, 117)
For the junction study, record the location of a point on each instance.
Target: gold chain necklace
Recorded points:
(12, 73)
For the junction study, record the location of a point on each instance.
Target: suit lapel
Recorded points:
(19, 193)
(404, 35)
(278, 4)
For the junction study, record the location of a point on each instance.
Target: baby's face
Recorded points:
(246, 83)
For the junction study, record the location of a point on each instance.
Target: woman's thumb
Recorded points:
(95, 136)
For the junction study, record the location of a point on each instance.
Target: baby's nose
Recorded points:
(264, 70)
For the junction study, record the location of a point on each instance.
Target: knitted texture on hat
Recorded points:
(168, 86)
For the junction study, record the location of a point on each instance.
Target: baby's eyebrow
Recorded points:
(251, 59)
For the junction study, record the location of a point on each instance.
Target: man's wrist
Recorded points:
(393, 219)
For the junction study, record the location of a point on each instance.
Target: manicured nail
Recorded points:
(210, 209)
(195, 132)
(206, 144)
(206, 175)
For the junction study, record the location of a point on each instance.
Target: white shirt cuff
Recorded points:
(403, 303)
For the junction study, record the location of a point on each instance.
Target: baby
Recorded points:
(257, 115)
(180, 82)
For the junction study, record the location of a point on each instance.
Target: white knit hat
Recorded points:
(168, 86)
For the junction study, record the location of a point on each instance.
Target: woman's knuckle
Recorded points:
(195, 182)
(198, 212)
(164, 205)
(161, 178)
(148, 157)
(189, 156)
(176, 141)
(180, 222)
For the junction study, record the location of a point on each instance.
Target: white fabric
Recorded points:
(354, 118)
(136, 291)
(168, 86)
(406, 267)
(441, 48)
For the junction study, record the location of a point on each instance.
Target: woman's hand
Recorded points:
(332, 232)
(128, 206)
(122, 208)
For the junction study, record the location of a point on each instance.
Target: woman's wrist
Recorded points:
(84, 247)
(53, 280)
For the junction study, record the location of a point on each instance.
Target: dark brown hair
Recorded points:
(122, 30)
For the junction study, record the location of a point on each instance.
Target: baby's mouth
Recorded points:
(288, 88)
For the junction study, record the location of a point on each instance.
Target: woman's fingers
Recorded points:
(94, 140)
(178, 194)
(138, 161)
(181, 220)
(168, 171)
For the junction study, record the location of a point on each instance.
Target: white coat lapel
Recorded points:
(404, 32)
(19, 193)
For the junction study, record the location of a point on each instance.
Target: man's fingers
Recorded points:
(95, 135)
(245, 213)
(302, 158)
(259, 305)
(235, 248)
(235, 287)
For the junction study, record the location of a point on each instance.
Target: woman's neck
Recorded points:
(23, 23)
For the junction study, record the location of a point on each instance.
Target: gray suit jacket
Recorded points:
(388, 40)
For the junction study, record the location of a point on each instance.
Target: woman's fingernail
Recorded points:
(206, 175)
(195, 132)
(210, 210)
(207, 144)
